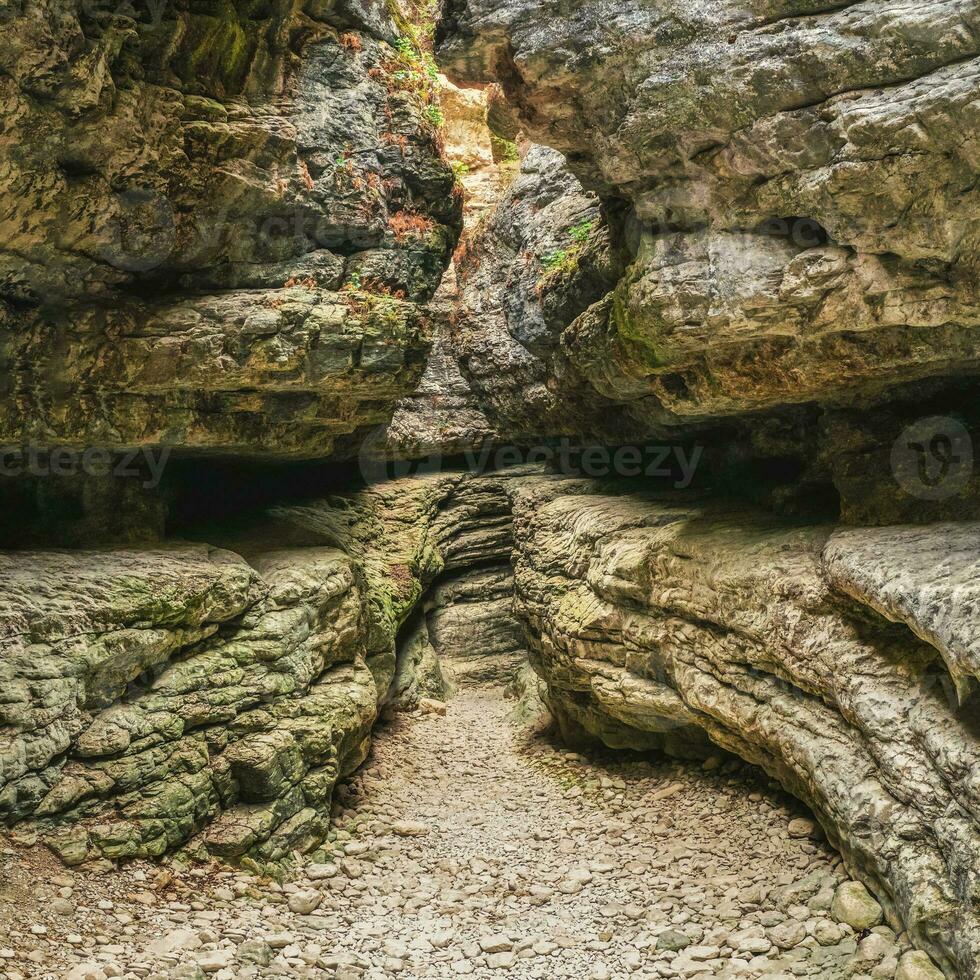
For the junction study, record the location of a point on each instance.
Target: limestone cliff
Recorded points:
(190, 696)
(220, 223)
(791, 190)
(655, 621)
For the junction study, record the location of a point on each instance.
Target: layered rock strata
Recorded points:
(220, 224)
(535, 264)
(443, 416)
(189, 696)
(655, 620)
(471, 624)
(791, 191)
(154, 695)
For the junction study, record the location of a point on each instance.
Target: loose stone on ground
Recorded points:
(470, 847)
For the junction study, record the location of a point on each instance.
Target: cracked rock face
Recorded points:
(154, 689)
(538, 262)
(186, 191)
(800, 182)
(222, 229)
(652, 620)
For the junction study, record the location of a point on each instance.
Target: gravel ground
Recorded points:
(471, 846)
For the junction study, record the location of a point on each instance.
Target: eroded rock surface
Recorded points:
(190, 695)
(924, 577)
(654, 619)
(153, 695)
(443, 416)
(186, 191)
(147, 691)
(537, 262)
(432, 871)
(793, 184)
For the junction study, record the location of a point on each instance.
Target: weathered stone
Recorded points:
(242, 170)
(541, 259)
(787, 190)
(917, 966)
(908, 574)
(151, 695)
(855, 907)
(652, 620)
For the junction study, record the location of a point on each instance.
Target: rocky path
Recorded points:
(470, 846)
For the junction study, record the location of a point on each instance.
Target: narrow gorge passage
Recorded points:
(540, 862)
(472, 844)
(489, 487)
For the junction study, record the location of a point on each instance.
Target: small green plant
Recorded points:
(417, 63)
(406, 48)
(385, 313)
(504, 151)
(556, 264)
(580, 233)
(554, 260)
(408, 66)
(460, 169)
(434, 115)
(418, 21)
(566, 260)
(411, 69)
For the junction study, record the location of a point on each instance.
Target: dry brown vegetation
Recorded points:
(408, 224)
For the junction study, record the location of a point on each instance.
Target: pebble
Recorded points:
(409, 828)
(854, 906)
(304, 902)
(320, 872)
(671, 939)
(801, 828)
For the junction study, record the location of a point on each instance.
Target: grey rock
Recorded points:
(846, 700)
(855, 907)
(672, 939)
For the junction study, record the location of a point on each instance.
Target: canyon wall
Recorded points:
(749, 225)
(221, 223)
(753, 225)
(822, 654)
(211, 698)
(154, 695)
(782, 242)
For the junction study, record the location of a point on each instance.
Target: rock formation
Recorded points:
(792, 188)
(655, 621)
(220, 224)
(749, 227)
(153, 694)
(188, 694)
